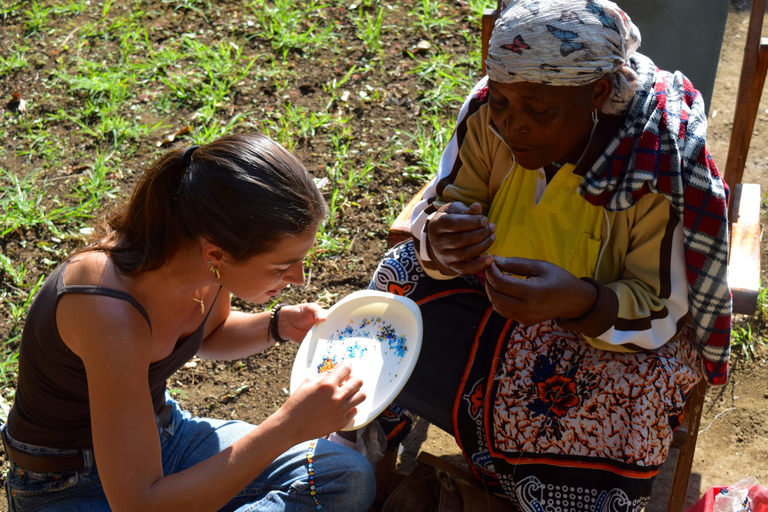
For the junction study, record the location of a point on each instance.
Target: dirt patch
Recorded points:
(734, 439)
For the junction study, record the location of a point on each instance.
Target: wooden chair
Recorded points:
(744, 262)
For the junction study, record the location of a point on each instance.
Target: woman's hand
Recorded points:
(295, 321)
(458, 238)
(324, 403)
(544, 291)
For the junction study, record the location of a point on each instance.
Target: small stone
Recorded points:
(423, 46)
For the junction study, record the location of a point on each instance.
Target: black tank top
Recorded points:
(51, 406)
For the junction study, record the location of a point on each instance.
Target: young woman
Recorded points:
(93, 428)
(576, 219)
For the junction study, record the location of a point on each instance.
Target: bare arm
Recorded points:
(235, 335)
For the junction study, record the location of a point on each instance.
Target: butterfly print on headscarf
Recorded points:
(570, 16)
(598, 11)
(567, 37)
(517, 46)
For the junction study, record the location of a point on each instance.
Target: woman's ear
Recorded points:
(212, 253)
(602, 89)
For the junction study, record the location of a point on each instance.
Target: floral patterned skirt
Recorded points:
(539, 413)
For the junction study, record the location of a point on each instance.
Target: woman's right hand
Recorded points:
(323, 403)
(458, 238)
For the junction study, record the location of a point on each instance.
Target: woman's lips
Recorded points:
(520, 150)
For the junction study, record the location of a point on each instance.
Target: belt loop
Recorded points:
(2, 436)
(89, 462)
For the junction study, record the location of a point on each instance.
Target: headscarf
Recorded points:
(565, 43)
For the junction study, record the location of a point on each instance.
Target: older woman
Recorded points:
(575, 221)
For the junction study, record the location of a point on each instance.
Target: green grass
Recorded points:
(36, 18)
(747, 331)
(22, 207)
(16, 59)
(369, 30)
(431, 17)
(426, 146)
(291, 26)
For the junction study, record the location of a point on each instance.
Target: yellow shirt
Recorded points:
(549, 222)
(642, 257)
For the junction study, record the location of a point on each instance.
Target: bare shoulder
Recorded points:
(95, 321)
(90, 268)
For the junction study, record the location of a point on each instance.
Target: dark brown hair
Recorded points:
(242, 192)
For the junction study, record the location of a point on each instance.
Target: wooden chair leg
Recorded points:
(693, 408)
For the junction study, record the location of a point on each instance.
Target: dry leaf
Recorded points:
(167, 140)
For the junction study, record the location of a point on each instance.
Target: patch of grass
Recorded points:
(333, 88)
(197, 6)
(37, 18)
(72, 8)
(748, 332)
(478, 6)
(369, 31)
(215, 128)
(430, 19)
(16, 59)
(22, 208)
(288, 25)
(447, 81)
(394, 207)
(430, 139)
(40, 143)
(8, 9)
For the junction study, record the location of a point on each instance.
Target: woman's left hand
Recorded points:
(295, 321)
(543, 291)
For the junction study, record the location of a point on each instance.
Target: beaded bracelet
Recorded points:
(272, 331)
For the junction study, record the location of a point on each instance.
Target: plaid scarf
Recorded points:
(661, 149)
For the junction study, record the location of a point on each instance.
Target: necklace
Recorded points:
(199, 301)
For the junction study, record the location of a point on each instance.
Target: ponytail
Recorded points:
(242, 192)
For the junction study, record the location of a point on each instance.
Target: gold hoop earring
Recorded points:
(594, 116)
(214, 270)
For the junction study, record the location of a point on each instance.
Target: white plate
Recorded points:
(379, 333)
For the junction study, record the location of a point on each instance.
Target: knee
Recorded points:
(354, 482)
(362, 483)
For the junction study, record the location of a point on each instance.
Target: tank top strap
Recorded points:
(109, 292)
(212, 303)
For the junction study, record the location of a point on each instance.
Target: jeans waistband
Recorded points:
(68, 460)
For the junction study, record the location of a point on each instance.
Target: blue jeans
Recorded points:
(343, 479)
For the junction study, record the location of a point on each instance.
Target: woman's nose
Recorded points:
(295, 274)
(515, 125)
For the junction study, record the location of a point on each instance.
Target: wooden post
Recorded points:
(489, 19)
(753, 71)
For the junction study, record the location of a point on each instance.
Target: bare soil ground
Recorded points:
(733, 442)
